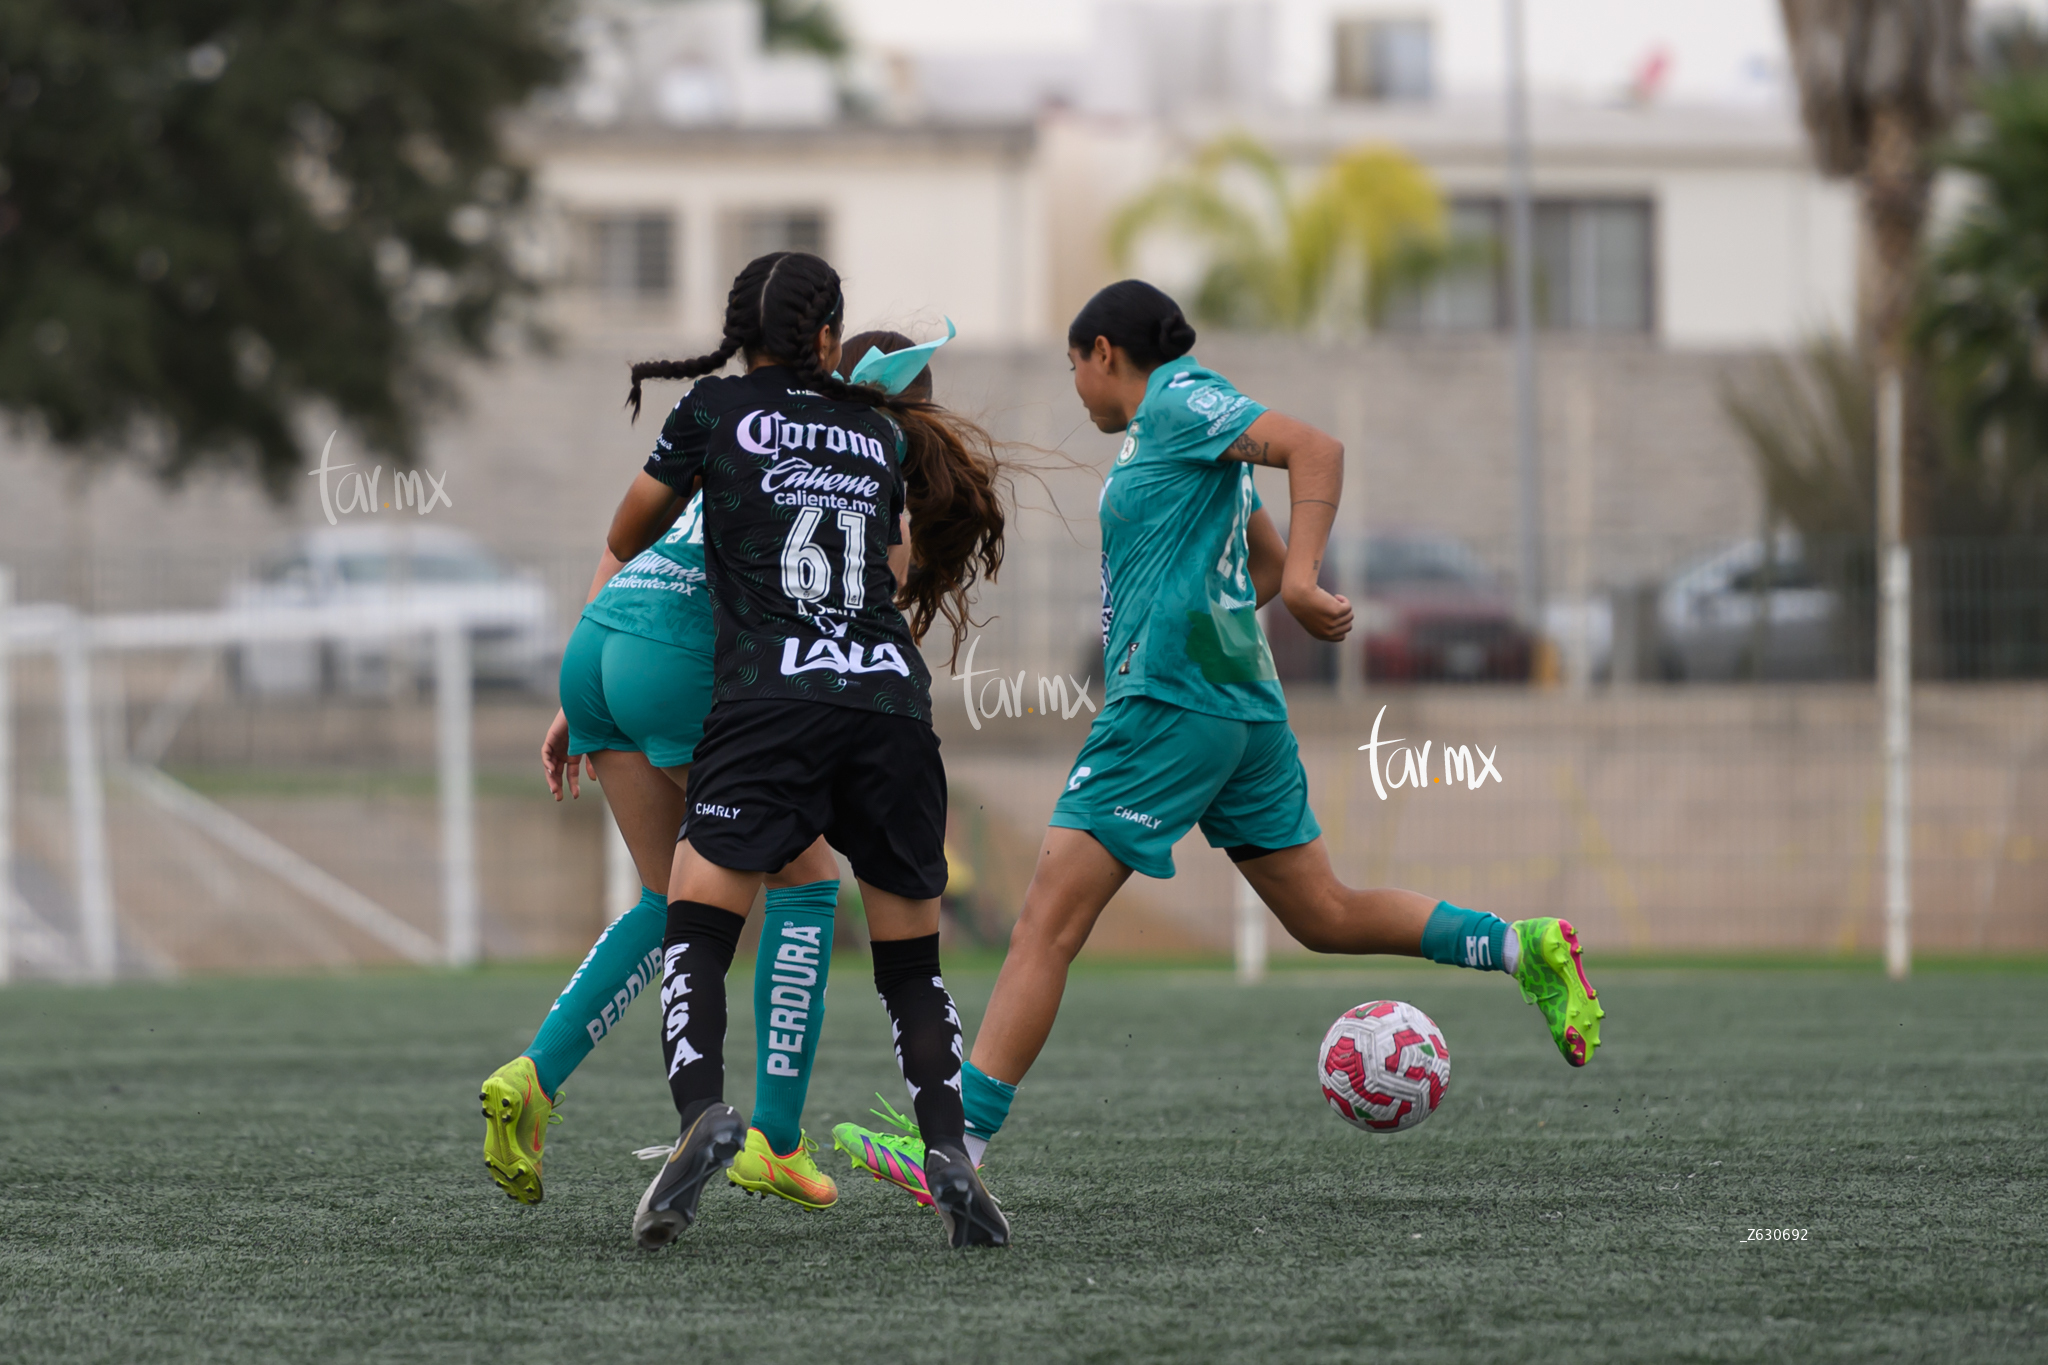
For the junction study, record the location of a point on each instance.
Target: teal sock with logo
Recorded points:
(987, 1102)
(625, 959)
(1465, 938)
(789, 1005)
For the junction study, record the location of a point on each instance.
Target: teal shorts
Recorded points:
(623, 691)
(1151, 771)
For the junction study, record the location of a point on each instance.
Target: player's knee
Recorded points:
(1042, 931)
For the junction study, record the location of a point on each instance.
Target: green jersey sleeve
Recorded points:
(1193, 413)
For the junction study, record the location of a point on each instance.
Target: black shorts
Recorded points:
(771, 776)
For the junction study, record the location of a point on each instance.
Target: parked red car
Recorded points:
(1432, 613)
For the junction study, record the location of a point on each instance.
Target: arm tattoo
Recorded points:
(1320, 502)
(1244, 448)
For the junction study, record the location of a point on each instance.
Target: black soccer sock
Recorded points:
(695, 957)
(927, 1031)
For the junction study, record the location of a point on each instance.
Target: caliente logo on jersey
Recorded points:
(765, 433)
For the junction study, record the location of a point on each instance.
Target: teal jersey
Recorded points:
(662, 594)
(1179, 614)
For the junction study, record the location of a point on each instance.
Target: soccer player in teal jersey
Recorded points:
(636, 685)
(1193, 730)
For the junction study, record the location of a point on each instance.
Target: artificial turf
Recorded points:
(274, 1171)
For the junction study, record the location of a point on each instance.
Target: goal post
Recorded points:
(75, 640)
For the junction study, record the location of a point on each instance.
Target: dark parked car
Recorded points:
(1432, 613)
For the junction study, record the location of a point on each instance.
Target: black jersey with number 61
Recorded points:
(802, 498)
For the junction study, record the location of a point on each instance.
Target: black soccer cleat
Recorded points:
(970, 1213)
(706, 1147)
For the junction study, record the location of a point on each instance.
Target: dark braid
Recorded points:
(776, 309)
(744, 308)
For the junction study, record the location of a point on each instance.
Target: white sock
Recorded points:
(1511, 951)
(975, 1147)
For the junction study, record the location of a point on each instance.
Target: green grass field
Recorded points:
(273, 1171)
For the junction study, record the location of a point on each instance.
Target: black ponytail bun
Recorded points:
(1138, 317)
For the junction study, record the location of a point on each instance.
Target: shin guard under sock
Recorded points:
(625, 959)
(789, 1005)
(694, 959)
(1465, 938)
(927, 1032)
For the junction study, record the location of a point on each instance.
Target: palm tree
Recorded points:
(1371, 223)
(1985, 319)
(1879, 82)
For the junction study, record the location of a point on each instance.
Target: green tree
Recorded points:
(802, 26)
(1810, 422)
(218, 215)
(1984, 322)
(1369, 224)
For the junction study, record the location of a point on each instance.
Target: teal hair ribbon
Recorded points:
(893, 371)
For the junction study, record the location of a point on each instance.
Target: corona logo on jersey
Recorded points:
(764, 433)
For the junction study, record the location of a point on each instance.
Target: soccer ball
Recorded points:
(1384, 1066)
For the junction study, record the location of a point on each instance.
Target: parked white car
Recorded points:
(376, 567)
(1731, 616)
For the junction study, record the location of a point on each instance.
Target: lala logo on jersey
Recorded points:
(829, 656)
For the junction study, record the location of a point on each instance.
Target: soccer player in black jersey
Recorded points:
(821, 718)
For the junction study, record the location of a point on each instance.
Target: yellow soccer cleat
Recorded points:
(517, 1116)
(794, 1176)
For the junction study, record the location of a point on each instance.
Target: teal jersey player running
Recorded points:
(1190, 678)
(1179, 610)
(1194, 730)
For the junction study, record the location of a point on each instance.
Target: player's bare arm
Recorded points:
(1314, 461)
(649, 508)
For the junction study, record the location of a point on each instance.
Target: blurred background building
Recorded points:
(972, 160)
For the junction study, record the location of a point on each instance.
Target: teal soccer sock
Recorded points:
(987, 1102)
(1465, 938)
(625, 959)
(789, 1005)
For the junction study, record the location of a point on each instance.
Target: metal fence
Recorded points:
(1727, 803)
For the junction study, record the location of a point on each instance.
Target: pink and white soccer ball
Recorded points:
(1384, 1066)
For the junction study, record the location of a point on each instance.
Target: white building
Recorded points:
(978, 181)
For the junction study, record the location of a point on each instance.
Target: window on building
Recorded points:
(749, 233)
(627, 256)
(1594, 270)
(1384, 59)
(1593, 265)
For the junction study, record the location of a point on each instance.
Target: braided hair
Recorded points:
(776, 309)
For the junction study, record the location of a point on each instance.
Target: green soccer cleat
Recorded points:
(793, 1175)
(1553, 980)
(517, 1116)
(893, 1158)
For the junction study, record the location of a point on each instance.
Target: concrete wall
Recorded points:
(542, 450)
